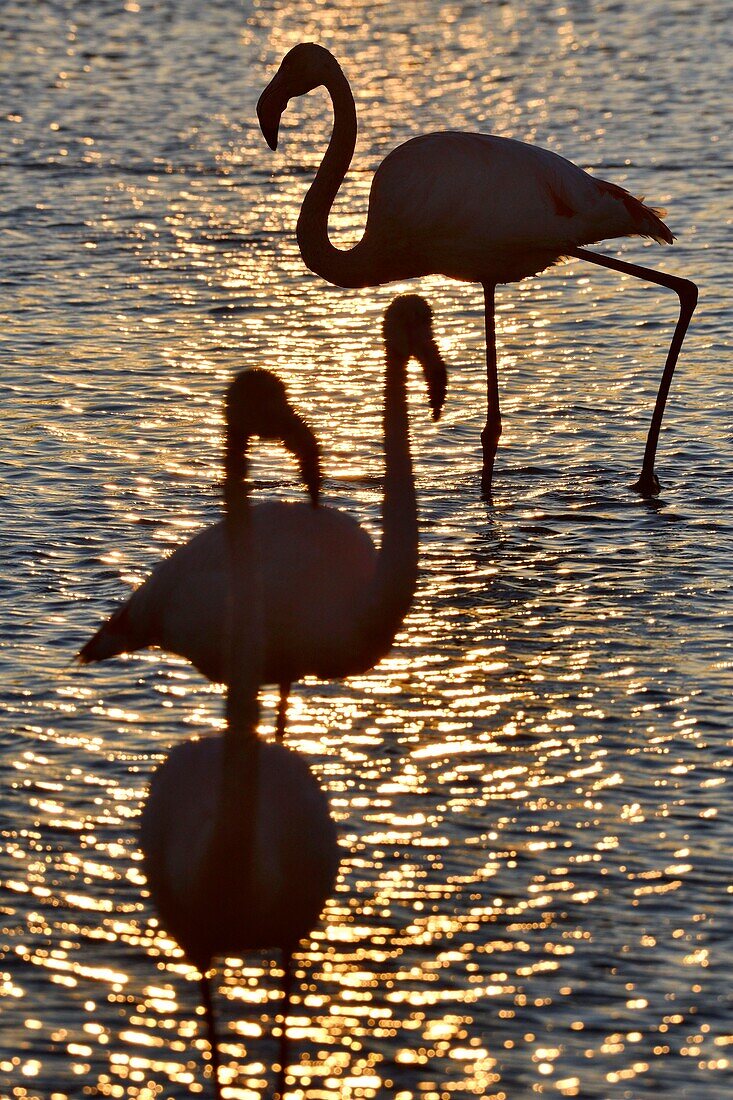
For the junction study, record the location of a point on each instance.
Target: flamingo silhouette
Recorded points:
(332, 602)
(240, 851)
(473, 207)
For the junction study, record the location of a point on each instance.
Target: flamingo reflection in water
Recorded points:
(474, 207)
(240, 850)
(332, 602)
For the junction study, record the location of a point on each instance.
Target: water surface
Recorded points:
(531, 789)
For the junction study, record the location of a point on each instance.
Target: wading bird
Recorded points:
(240, 851)
(473, 207)
(332, 602)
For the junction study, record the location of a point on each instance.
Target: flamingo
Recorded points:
(474, 207)
(332, 602)
(240, 850)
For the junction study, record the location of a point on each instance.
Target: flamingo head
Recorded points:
(408, 334)
(257, 404)
(303, 68)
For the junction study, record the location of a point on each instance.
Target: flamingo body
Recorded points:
(223, 888)
(488, 209)
(316, 565)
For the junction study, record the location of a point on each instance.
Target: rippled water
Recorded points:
(531, 790)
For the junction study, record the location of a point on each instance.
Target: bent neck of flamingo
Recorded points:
(244, 599)
(345, 268)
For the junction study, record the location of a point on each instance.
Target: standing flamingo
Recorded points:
(240, 849)
(470, 206)
(332, 602)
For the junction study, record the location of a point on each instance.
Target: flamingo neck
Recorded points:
(396, 573)
(233, 838)
(244, 609)
(225, 874)
(342, 268)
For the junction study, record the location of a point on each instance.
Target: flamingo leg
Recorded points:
(492, 431)
(211, 1030)
(282, 711)
(648, 483)
(287, 993)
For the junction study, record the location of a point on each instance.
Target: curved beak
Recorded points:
(270, 107)
(435, 372)
(302, 443)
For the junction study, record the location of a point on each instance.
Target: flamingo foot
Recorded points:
(486, 482)
(282, 711)
(489, 444)
(648, 484)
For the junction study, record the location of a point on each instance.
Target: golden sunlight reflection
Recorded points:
(528, 789)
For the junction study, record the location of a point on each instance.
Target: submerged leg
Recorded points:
(492, 431)
(648, 485)
(211, 1030)
(287, 991)
(282, 711)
